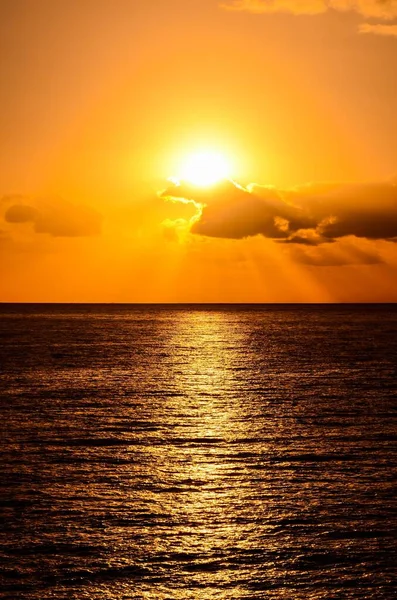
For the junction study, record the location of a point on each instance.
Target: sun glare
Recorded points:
(204, 168)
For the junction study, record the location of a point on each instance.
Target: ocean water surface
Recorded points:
(198, 452)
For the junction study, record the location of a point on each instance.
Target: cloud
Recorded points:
(381, 9)
(272, 6)
(174, 230)
(52, 216)
(326, 256)
(309, 215)
(21, 213)
(379, 29)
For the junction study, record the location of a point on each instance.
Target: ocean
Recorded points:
(198, 452)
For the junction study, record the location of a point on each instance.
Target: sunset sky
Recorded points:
(198, 151)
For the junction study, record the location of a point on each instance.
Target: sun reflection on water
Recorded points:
(198, 461)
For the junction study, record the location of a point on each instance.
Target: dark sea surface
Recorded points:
(198, 452)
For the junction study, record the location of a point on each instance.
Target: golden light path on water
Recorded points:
(208, 490)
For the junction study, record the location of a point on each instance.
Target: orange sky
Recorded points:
(101, 102)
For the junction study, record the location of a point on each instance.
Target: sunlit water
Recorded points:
(198, 453)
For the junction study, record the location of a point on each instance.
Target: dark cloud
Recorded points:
(309, 215)
(20, 213)
(53, 216)
(228, 210)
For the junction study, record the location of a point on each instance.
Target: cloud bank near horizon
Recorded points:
(308, 215)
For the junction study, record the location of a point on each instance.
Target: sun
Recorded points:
(204, 168)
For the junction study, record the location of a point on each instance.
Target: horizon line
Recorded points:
(184, 303)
